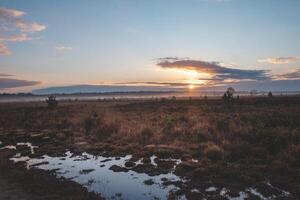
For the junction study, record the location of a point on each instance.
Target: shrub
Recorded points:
(237, 150)
(64, 124)
(97, 126)
(163, 100)
(92, 122)
(213, 151)
(51, 101)
(168, 126)
(146, 135)
(223, 125)
(105, 130)
(88, 125)
(270, 94)
(228, 95)
(201, 136)
(273, 141)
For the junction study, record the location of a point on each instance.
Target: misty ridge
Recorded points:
(280, 85)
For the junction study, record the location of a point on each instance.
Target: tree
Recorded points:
(51, 101)
(230, 91)
(228, 95)
(270, 94)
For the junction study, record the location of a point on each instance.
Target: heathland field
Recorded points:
(219, 150)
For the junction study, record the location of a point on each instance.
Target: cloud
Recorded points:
(10, 13)
(15, 38)
(6, 83)
(14, 29)
(215, 69)
(4, 50)
(63, 48)
(33, 27)
(5, 75)
(11, 19)
(291, 75)
(280, 60)
(156, 83)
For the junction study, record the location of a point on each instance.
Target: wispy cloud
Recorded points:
(12, 19)
(15, 38)
(292, 75)
(14, 29)
(280, 60)
(9, 14)
(63, 48)
(6, 83)
(4, 50)
(30, 27)
(155, 83)
(5, 75)
(215, 69)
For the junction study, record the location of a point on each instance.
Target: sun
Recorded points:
(191, 87)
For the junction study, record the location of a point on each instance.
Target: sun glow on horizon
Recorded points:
(191, 87)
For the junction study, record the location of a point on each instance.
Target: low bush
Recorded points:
(99, 127)
(51, 101)
(146, 136)
(212, 151)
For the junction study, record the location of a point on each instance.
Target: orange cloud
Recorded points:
(215, 69)
(4, 50)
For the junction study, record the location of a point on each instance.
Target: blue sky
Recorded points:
(114, 41)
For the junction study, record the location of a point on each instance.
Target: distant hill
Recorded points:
(269, 85)
(74, 89)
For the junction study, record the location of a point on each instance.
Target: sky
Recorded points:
(162, 43)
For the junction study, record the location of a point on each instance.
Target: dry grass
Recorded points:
(256, 133)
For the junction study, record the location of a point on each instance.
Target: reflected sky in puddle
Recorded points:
(111, 185)
(93, 172)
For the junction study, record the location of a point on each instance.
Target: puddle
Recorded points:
(89, 171)
(96, 174)
(28, 144)
(211, 189)
(14, 147)
(9, 147)
(243, 195)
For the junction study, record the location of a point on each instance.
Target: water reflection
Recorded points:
(95, 174)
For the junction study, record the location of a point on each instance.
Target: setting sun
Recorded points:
(191, 87)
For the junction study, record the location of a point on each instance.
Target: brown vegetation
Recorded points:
(243, 143)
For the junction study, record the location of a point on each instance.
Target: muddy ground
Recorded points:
(17, 183)
(240, 144)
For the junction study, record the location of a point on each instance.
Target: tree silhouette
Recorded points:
(51, 101)
(228, 95)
